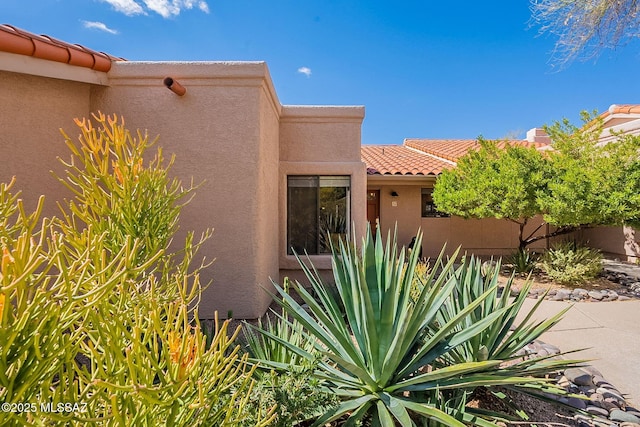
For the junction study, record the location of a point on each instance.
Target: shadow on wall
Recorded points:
(631, 245)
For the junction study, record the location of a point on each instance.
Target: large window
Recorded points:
(428, 207)
(318, 210)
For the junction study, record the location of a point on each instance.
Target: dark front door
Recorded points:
(373, 209)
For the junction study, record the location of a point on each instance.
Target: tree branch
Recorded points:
(536, 230)
(559, 232)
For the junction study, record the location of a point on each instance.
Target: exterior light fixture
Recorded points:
(394, 194)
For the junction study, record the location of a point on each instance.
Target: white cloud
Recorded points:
(168, 8)
(305, 70)
(164, 8)
(128, 7)
(203, 6)
(99, 26)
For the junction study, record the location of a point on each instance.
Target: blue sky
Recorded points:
(422, 69)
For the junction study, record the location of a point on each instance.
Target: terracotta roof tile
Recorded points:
(453, 149)
(400, 160)
(622, 109)
(424, 156)
(21, 42)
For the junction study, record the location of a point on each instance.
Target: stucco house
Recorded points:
(273, 176)
(400, 180)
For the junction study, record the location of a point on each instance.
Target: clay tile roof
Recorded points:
(400, 160)
(424, 156)
(453, 149)
(21, 42)
(623, 109)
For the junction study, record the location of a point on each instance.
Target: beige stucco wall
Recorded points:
(320, 133)
(486, 237)
(482, 237)
(224, 134)
(403, 210)
(32, 111)
(618, 242)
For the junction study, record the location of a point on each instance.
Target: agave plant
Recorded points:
(503, 337)
(523, 261)
(381, 355)
(264, 340)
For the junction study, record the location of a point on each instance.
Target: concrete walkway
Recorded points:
(611, 333)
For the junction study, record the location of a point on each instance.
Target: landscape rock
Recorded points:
(596, 295)
(586, 390)
(633, 411)
(598, 380)
(579, 376)
(622, 416)
(577, 403)
(593, 371)
(564, 382)
(609, 406)
(606, 393)
(596, 410)
(550, 349)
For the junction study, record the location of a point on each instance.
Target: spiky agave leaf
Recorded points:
(381, 353)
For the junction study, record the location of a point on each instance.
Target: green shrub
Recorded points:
(291, 389)
(419, 279)
(296, 395)
(116, 193)
(572, 264)
(95, 311)
(382, 357)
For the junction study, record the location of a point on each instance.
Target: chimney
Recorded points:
(538, 135)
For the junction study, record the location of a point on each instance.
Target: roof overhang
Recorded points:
(400, 179)
(23, 64)
(629, 127)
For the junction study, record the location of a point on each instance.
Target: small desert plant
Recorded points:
(272, 339)
(571, 264)
(419, 279)
(522, 261)
(288, 384)
(296, 394)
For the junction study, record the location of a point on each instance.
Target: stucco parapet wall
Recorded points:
(196, 73)
(322, 113)
(23, 64)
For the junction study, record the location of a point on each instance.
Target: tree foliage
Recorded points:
(585, 27)
(579, 183)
